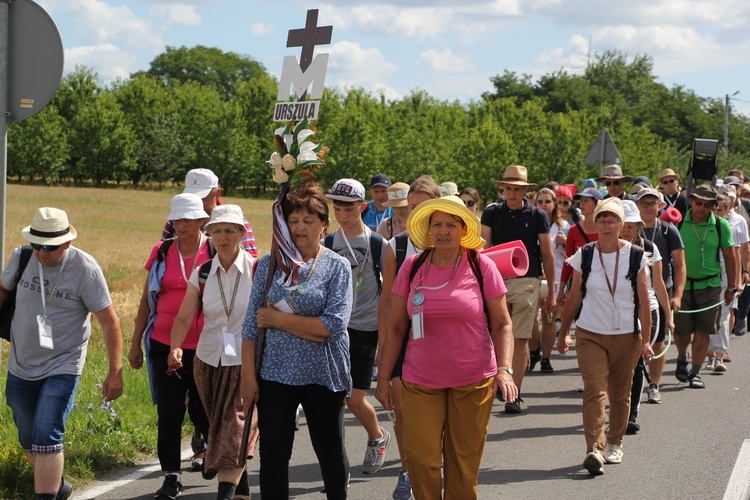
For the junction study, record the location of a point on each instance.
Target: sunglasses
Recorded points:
(609, 183)
(563, 202)
(700, 204)
(46, 248)
(543, 202)
(668, 181)
(470, 203)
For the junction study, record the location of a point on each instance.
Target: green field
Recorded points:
(118, 227)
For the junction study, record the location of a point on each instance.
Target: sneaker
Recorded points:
(296, 418)
(375, 372)
(711, 363)
(545, 366)
(375, 454)
(534, 357)
(633, 426)
(66, 489)
(612, 454)
(719, 366)
(740, 331)
(171, 488)
(681, 373)
(403, 487)
(514, 407)
(654, 396)
(594, 463)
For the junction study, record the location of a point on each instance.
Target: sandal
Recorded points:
(681, 373)
(696, 382)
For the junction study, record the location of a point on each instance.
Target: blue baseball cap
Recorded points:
(590, 182)
(589, 192)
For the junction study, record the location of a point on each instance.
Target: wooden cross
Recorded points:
(308, 37)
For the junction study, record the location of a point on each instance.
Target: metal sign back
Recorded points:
(35, 59)
(604, 151)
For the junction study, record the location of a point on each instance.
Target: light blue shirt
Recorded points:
(291, 360)
(373, 217)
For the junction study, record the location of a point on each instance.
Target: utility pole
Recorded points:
(726, 122)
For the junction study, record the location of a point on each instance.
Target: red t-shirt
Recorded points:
(574, 242)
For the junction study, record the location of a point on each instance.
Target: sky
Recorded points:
(448, 48)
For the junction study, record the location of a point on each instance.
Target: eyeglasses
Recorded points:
(543, 202)
(607, 222)
(470, 203)
(648, 204)
(563, 202)
(668, 181)
(46, 248)
(609, 183)
(700, 204)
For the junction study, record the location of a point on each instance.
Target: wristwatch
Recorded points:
(506, 368)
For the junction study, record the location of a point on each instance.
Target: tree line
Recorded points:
(202, 107)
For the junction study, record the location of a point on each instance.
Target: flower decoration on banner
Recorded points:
(297, 156)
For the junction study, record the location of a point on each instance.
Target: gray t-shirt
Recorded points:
(80, 291)
(365, 306)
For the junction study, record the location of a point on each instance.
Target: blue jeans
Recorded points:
(40, 410)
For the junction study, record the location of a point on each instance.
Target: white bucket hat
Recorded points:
(200, 181)
(187, 206)
(49, 226)
(230, 214)
(632, 214)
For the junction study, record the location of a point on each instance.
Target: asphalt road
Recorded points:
(686, 449)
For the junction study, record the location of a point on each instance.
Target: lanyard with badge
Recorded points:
(357, 282)
(616, 313)
(45, 329)
(230, 347)
(418, 299)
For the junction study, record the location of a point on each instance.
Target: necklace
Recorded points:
(228, 311)
(305, 287)
(702, 241)
(418, 297)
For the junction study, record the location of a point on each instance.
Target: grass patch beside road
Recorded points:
(118, 227)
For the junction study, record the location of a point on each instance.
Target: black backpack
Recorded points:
(376, 242)
(636, 255)
(9, 306)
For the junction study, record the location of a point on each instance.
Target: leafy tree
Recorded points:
(38, 147)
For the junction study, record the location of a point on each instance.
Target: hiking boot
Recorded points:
(545, 366)
(375, 454)
(403, 487)
(66, 489)
(514, 407)
(719, 366)
(594, 463)
(612, 454)
(170, 489)
(711, 363)
(654, 396)
(534, 357)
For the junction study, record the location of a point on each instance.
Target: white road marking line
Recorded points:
(101, 487)
(739, 482)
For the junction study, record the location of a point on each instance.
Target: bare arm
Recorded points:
(386, 296)
(572, 304)
(660, 289)
(304, 327)
(679, 277)
(502, 334)
(135, 354)
(181, 325)
(249, 379)
(644, 313)
(730, 262)
(398, 326)
(110, 323)
(548, 261)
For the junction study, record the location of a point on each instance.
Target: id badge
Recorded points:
(417, 327)
(45, 333)
(283, 306)
(617, 320)
(230, 348)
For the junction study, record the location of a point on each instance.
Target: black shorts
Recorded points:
(661, 334)
(362, 348)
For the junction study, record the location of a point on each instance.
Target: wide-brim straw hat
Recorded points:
(49, 226)
(418, 223)
(230, 214)
(614, 172)
(668, 172)
(517, 176)
(187, 206)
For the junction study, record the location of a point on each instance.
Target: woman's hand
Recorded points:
(267, 316)
(562, 343)
(384, 393)
(647, 351)
(504, 383)
(135, 355)
(174, 360)
(561, 238)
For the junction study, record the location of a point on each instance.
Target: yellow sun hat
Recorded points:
(418, 223)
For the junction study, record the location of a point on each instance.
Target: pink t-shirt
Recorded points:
(173, 288)
(457, 348)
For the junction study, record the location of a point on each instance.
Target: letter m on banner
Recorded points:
(292, 75)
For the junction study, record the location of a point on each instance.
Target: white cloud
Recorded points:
(260, 29)
(178, 14)
(350, 65)
(444, 61)
(107, 60)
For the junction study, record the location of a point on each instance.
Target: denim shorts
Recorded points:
(40, 410)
